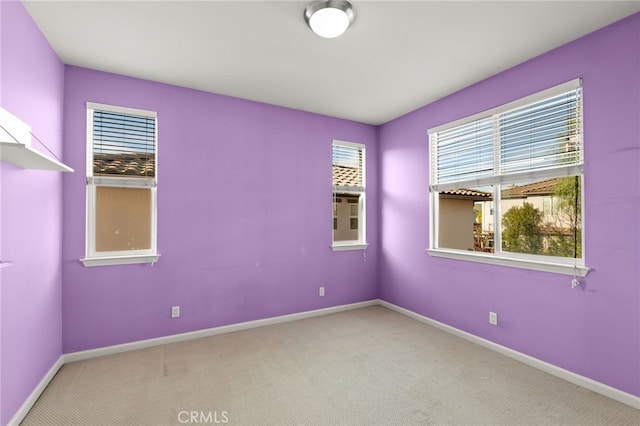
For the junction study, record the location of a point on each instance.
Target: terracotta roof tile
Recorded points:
(124, 164)
(345, 176)
(468, 193)
(545, 187)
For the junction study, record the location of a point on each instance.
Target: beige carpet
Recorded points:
(368, 366)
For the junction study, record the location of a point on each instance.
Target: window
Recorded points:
(348, 196)
(121, 185)
(354, 213)
(506, 185)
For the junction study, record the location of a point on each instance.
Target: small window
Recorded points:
(348, 196)
(121, 185)
(507, 184)
(353, 215)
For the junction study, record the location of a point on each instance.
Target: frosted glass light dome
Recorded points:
(329, 19)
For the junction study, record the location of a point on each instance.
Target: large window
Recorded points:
(348, 196)
(506, 184)
(121, 185)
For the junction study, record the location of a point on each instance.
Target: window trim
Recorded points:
(361, 242)
(120, 260)
(118, 257)
(568, 266)
(546, 266)
(347, 247)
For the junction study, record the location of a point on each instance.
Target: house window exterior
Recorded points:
(348, 170)
(507, 184)
(121, 185)
(354, 214)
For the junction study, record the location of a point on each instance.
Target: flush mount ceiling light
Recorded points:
(329, 19)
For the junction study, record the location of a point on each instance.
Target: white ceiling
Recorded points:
(397, 56)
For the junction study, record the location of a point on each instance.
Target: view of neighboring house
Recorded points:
(123, 213)
(467, 220)
(540, 194)
(345, 205)
(543, 217)
(458, 217)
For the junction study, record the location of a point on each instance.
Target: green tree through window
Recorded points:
(522, 232)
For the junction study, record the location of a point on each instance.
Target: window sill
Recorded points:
(345, 247)
(120, 260)
(555, 267)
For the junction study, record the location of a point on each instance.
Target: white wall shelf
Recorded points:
(15, 146)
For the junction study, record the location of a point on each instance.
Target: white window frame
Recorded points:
(361, 242)
(120, 257)
(555, 264)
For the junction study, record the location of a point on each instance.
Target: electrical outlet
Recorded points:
(321, 292)
(175, 311)
(493, 318)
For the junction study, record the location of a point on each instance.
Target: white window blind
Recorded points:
(541, 133)
(464, 152)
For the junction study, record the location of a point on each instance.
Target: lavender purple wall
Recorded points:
(245, 216)
(593, 331)
(244, 213)
(32, 79)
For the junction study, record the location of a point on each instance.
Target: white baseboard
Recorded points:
(143, 344)
(576, 379)
(33, 397)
